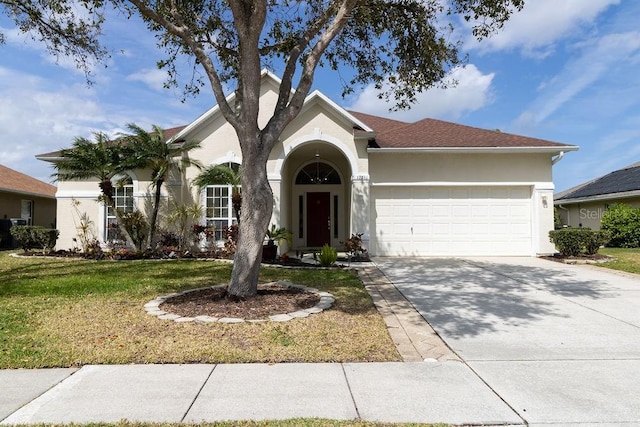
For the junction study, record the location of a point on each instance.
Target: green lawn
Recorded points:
(59, 313)
(625, 259)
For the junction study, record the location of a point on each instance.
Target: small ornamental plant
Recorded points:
(327, 256)
(353, 247)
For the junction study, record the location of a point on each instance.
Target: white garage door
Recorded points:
(452, 220)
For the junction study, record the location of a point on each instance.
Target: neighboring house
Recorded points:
(583, 205)
(24, 199)
(423, 188)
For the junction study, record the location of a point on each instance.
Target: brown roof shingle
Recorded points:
(168, 134)
(16, 182)
(431, 133)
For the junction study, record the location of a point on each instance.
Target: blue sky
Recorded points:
(564, 71)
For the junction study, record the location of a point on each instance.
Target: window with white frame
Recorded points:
(219, 209)
(123, 198)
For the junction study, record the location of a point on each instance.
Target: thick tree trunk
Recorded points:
(257, 206)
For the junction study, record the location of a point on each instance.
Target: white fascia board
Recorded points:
(49, 159)
(212, 112)
(599, 197)
(215, 110)
(26, 193)
(550, 150)
(85, 194)
(317, 95)
(536, 185)
(365, 135)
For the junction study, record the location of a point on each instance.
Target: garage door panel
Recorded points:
(453, 221)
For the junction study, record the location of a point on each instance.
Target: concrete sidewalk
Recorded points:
(387, 392)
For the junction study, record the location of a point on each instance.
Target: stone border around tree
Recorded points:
(326, 301)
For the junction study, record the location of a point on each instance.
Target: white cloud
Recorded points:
(472, 92)
(154, 78)
(593, 67)
(35, 119)
(541, 24)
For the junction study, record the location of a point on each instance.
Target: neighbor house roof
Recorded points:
(620, 183)
(431, 133)
(13, 181)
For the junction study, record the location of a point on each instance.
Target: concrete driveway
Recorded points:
(559, 343)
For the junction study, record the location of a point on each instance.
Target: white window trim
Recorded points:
(104, 212)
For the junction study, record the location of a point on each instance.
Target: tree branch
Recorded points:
(287, 113)
(182, 31)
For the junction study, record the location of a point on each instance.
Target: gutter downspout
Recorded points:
(556, 159)
(568, 214)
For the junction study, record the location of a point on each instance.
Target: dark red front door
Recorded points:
(318, 219)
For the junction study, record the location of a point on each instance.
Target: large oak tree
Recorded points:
(401, 46)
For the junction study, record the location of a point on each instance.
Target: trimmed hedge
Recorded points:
(623, 222)
(35, 236)
(578, 241)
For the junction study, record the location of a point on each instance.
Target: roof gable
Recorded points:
(16, 182)
(620, 181)
(271, 82)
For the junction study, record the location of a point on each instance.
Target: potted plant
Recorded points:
(274, 235)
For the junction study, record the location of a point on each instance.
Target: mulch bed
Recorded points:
(583, 259)
(215, 302)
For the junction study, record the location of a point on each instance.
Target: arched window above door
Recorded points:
(319, 173)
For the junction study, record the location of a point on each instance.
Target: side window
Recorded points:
(219, 208)
(123, 197)
(26, 211)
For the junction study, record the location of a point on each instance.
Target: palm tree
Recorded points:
(103, 159)
(223, 175)
(151, 150)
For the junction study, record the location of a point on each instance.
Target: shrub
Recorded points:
(168, 239)
(595, 240)
(623, 222)
(137, 227)
(230, 239)
(576, 241)
(353, 246)
(33, 236)
(327, 256)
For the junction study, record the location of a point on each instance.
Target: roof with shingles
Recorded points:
(425, 133)
(168, 134)
(428, 133)
(13, 181)
(620, 181)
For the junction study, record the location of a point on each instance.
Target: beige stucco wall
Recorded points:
(44, 208)
(589, 214)
(459, 167)
(78, 198)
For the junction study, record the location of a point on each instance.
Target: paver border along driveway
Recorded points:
(559, 343)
